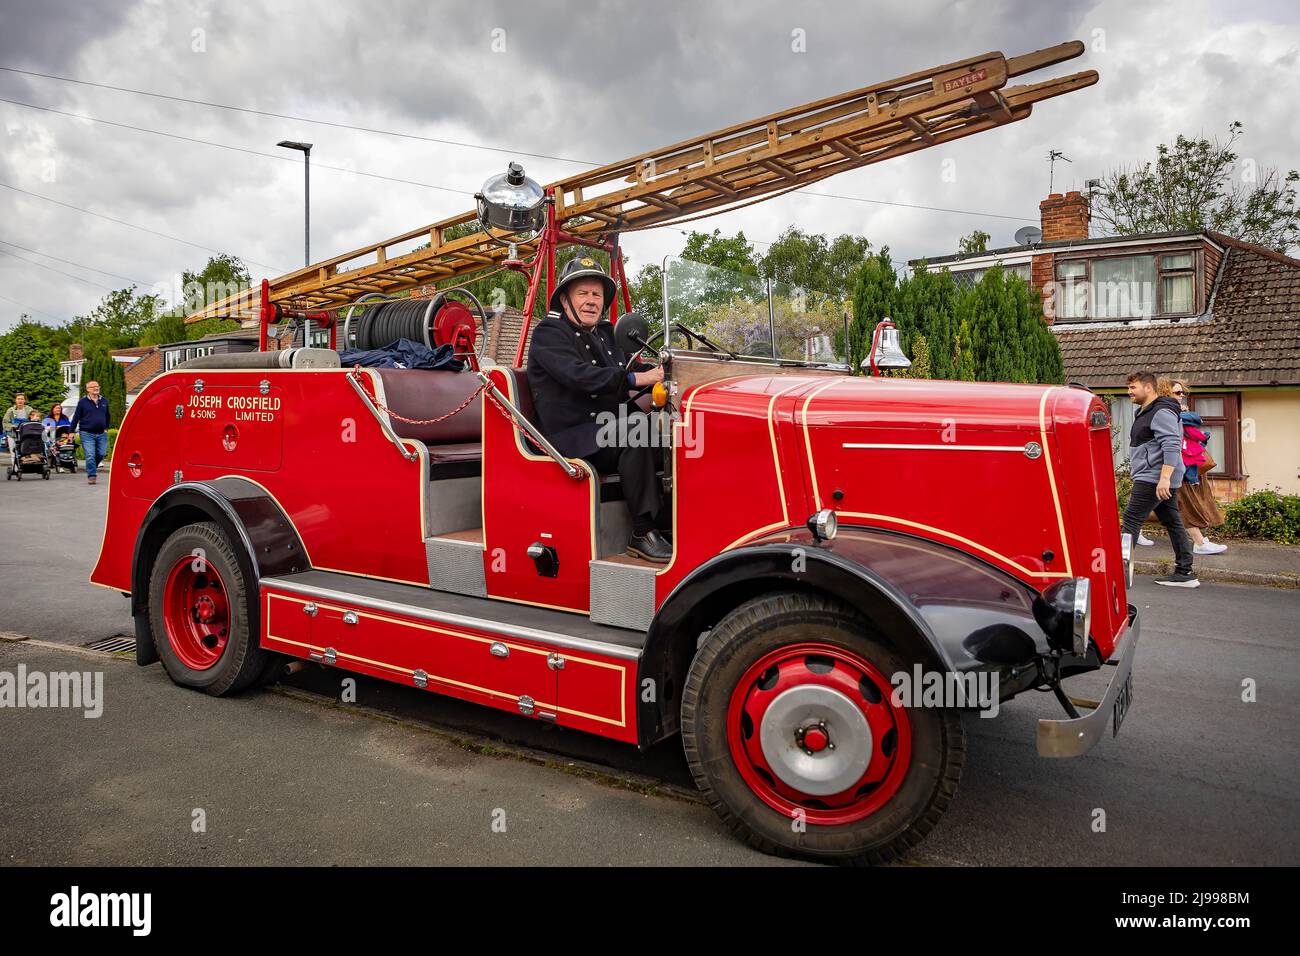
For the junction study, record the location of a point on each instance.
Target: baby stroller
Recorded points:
(62, 453)
(29, 455)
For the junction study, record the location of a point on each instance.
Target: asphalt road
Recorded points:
(1197, 776)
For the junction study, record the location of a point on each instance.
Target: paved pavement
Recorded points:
(1245, 562)
(1197, 776)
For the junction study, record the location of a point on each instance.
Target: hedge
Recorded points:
(1269, 515)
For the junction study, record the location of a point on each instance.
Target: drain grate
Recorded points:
(114, 645)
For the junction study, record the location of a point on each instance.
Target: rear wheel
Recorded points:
(198, 612)
(790, 732)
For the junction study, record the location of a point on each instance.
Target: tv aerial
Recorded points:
(1052, 157)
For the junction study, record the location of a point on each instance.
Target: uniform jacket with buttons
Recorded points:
(575, 375)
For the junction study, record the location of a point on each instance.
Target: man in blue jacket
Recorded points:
(93, 419)
(1156, 464)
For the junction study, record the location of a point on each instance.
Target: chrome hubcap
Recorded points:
(816, 740)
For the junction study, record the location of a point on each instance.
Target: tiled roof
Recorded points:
(502, 342)
(1250, 336)
(134, 350)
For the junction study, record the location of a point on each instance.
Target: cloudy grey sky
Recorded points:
(593, 81)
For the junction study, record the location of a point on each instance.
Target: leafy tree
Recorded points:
(120, 318)
(647, 292)
(965, 343)
(169, 327)
(111, 377)
(926, 306)
(28, 365)
(975, 243)
(808, 262)
(1001, 335)
(803, 333)
(920, 355)
(1200, 184)
(874, 294)
(714, 249)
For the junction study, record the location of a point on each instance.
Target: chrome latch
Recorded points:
(263, 386)
(555, 662)
(350, 617)
(309, 610)
(176, 477)
(198, 385)
(497, 649)
(1033, 450)
(180, 412)
(527, 705)
(421, 679)
(331, 656)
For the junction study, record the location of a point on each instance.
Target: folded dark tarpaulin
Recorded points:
(404, 353)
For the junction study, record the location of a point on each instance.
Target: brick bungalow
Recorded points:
(1221, 314)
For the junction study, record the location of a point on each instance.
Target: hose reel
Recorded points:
(373, 321)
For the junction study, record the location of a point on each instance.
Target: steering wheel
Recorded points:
(693, 336)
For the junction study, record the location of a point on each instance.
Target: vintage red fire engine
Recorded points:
(416, 526)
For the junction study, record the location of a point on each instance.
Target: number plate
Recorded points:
(1122, 703)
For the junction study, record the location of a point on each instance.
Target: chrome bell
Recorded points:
(887, 352)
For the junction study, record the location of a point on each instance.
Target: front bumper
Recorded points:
(1071, 738)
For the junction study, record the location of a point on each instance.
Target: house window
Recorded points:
(1071, 297)
(968, 278)
(1177, 284)
(175, 357)
(1122, 411)
(320, 338)
(1221, 413)
(1123, 288)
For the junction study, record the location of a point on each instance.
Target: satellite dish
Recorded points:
(1028, 235)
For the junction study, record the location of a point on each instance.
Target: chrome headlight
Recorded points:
(1064, 612)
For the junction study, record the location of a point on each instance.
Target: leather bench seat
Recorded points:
(456, 444)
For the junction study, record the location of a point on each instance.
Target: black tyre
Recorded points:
(791, 734)
(198, 612)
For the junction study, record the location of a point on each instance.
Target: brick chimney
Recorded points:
(74, 352)
(1064, 217)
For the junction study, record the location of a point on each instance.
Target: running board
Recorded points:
(547, 665)
(529, 622)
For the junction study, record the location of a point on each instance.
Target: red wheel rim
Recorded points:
(196, 613)
(814, 733)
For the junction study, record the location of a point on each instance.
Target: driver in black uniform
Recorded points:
(580, 380)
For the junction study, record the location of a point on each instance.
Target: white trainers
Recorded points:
(1144, 540)
(1209, 547)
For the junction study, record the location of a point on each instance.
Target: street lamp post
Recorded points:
(305, 149)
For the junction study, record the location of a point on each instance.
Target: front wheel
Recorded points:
(198, 612)
(791, 733)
